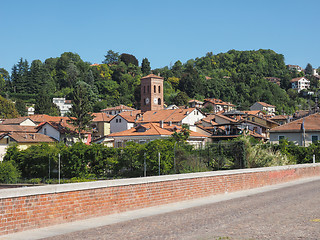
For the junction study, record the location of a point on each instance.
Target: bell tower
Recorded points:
(151, 93)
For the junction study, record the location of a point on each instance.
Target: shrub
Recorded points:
(8, 173)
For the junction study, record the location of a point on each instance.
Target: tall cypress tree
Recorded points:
(145, 66)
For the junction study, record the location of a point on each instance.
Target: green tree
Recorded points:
(21, 107)
(111, 57)
(181, 99)
(8, 172)
(80, 113)
(128, 58)
(309, 69)
(44, 105)
(145, 66)
(7, 109)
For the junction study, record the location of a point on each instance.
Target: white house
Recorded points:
(261, 106)
(123, 121)
(303, 131)
(300, 83)
(63, 104)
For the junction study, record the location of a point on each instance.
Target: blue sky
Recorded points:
(162, 31)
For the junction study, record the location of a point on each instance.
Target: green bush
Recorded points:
(8, 173)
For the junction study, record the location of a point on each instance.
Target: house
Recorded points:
(294, 68)
(63, 104)
(22, 139)
(187, 116)
(147, 132)
(30, 110)
(195, 103)
(261, 106)
(62, 132)
(300, 83)
(218, 105)
(116, 110)
(100, 124)
(21, 121)
(303, 131)
(281, 119)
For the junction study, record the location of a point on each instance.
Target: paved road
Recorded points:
(287, 213)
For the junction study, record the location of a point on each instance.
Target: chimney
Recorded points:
(161, 123)
(170, 123)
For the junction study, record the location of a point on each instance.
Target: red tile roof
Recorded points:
(169, 115)
(266, 104)
(152, 76)
(102, 117)
(120, 107)
(129, 116)
(297, 79)
(218, 102)
(14, 120)
(311, 123)
(17, 128)
(39, 118)
(21, 137)
(153, 129)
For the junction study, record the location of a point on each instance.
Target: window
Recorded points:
(116, 120)
(314, 139)
(159, 89)
(159, 101)
(154, 89)
(148, 89)
(144, 89)
(280, 138)
(45, 131)
(120, 120)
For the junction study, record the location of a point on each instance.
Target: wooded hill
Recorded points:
(236, 76)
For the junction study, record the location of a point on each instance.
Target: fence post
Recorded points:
(159, 162)
(145, 165)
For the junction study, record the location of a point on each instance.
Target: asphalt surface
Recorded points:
(287, 213)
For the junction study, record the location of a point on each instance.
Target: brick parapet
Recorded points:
(27, 208)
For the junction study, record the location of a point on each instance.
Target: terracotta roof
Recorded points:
(153, 129)
(195, 100)
(21, 137)
(14, 120)
(254, 112)
(210, 119)
(298, 79)
(101, 117)
(39, 118)
(62, 127)
(120, 107)
(17, 128)
(226, 118)
(280, 117)
(168, 115)
(129, 116)
(152, 76)
(311, 123)
(218, 102)
(265, 104)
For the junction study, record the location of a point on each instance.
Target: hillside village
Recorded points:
(211, 120)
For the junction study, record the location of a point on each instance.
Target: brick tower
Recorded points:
(151, 93)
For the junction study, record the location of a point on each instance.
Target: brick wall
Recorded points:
(34, 207)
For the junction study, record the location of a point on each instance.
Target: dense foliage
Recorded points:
(236, 76)
(99, 162)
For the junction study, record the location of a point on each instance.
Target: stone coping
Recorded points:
(69, 187)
